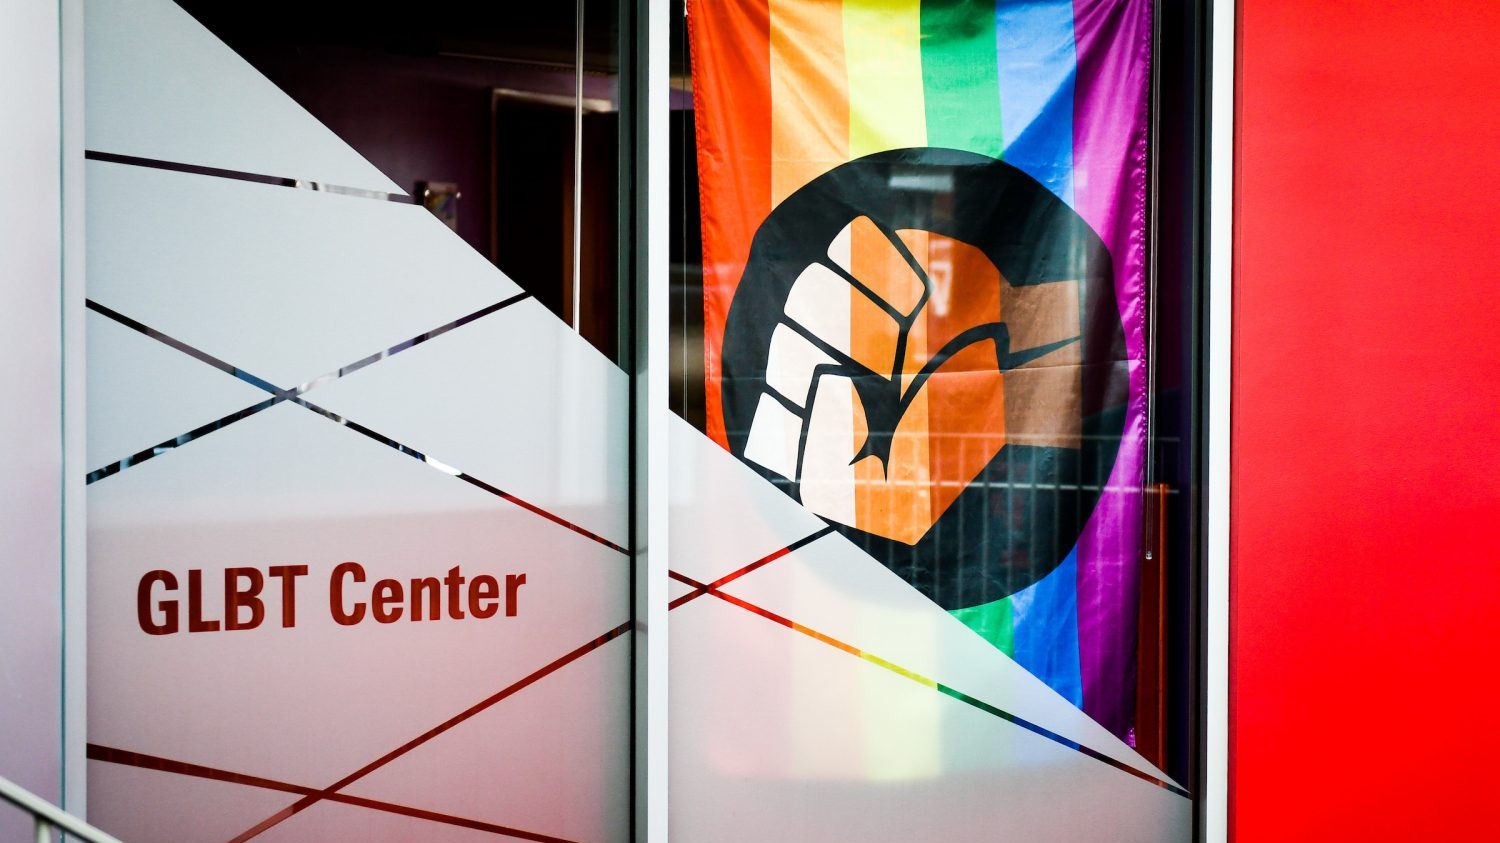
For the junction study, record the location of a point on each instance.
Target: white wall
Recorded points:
(30, 405)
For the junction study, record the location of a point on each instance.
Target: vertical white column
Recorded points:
(74, 417)
(1215, 798)
(652, 370)
(31, 424)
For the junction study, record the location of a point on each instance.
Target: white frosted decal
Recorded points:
(379, 554)
(723, 514)
(137, 803)
(799, 740)
(821, 697)
(162, 87)
(555, 435)
(348, 669)
(142, 393)
(287, 284)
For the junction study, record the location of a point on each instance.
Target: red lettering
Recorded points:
(386, 593)
(513, 583)
(168, 608)
(196, 621)
(288, 575)
(355, 571)
(236, 598)
(453, 581)
(434, 598)
(481, 588)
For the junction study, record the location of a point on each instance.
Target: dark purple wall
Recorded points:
(416, 118)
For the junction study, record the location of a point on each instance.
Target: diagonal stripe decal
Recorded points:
(328, 792)
(128, 758)
(173, 342)
(699, 591)
(260, 383)
(257, 178)
(279, 394)
(918, 678)
(467, 478)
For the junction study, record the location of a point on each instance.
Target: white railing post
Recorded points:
(48, 816)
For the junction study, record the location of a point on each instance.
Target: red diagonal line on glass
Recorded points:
(462, 475)
(700, 589)
(327, 792)
(168, 765)
(918, 678)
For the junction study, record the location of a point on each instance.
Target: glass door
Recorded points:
(915, 589)
(396, 531)
(358, 428)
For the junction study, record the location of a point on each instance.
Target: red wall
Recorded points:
(1366, 431)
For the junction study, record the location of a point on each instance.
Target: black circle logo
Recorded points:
(925, 350)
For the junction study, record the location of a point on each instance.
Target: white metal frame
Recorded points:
(75, 421)
(651, 407)
(40, 260)
(652, 371)
(48, 817)
(1216, 608)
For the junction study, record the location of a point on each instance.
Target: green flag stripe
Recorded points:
(995, 622)
(960, 77)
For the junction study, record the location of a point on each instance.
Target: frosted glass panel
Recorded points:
(910, 360)
(815, 694)
(779, 736)
(127, 370)
(358, 504)
(160, 86)
(556, 447)
(287, 284)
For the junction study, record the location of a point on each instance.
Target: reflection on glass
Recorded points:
(358, 521)
(911, 301)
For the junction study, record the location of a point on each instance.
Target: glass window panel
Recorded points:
(358, 432)
(921, 489)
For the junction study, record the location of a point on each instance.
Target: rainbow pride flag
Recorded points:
(788, 91)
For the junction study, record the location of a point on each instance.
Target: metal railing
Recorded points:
(49, 817)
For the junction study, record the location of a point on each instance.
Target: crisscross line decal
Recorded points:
(699, 591)
(923, 680)
(332, 790)
(293, 395)
(125, 757)
(278, 395)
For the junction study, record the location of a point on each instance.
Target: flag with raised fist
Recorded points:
(923, 232)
